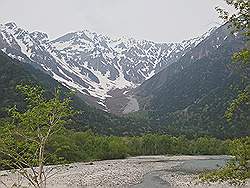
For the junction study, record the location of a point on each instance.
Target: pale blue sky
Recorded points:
(157, 20)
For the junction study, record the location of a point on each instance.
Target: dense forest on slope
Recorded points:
(194, 93)
(40, 126)
(14, 72)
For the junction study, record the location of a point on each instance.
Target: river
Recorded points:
(153, 179)
(160, 171)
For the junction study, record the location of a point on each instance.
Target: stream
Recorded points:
(153, 179)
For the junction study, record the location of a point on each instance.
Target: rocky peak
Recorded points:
(10, 25)
(92, 63)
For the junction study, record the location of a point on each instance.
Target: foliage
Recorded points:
(242, 56)
(70, 146)
(24, 139)
(36, 137)
(243, 98)
(87, 146)
(240, 19)
(239, 22)
(237, 170)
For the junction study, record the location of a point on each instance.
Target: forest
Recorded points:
(45, 121)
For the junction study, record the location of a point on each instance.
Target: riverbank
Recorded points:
(170, 171)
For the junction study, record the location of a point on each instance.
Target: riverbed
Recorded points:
(135, 172)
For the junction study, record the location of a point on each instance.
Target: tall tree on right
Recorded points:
(237, 171)
(239, 22)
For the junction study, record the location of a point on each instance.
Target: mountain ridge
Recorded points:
(188, 96)
(90, 63)
(195, 92)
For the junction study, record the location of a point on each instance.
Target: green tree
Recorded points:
(239, 22)
(24, 139)
(237, 171)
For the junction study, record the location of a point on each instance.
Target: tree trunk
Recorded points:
(41, 165)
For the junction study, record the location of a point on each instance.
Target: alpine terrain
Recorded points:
(97, 66)
(174, 88)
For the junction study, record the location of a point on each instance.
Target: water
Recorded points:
(153, 180)
(194, 166)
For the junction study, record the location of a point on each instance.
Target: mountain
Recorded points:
(185, 93)
(95, 65)
(14, 72)
(194, 93)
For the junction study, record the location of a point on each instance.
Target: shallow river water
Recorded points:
(153, 179)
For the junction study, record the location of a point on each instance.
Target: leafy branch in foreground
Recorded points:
(239, 23)
(237, 171)
(238, 20)
(243, 98)
(24, 139)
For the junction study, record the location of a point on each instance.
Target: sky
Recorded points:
(156, 20)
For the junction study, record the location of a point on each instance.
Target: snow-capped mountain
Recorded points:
(91, 63)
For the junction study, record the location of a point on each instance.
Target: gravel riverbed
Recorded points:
(131, 172)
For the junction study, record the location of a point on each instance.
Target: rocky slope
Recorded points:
(195, 92)
(187, 97)
(199, 71)
(14, 72)
(91, 63)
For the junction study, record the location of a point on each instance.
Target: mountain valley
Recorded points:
(96, 66)
(174, 88)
